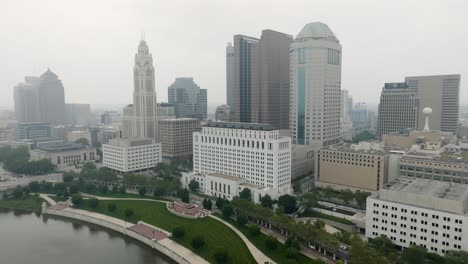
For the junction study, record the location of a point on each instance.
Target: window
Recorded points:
(302, 55)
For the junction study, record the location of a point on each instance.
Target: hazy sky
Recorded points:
(91, 44)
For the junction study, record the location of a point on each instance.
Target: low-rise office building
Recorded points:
(32, 130)
(73, 136)
(422, 212)
(64, 154)
(302, 160)
(104, 135)
(356, 167)
(176, 137)
(131, 155)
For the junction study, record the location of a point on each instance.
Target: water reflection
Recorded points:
(59, 240)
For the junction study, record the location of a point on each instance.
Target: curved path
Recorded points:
(47, 198)
(256, 253)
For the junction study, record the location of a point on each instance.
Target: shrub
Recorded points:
(220, 255)
(198, 242)
(93, 202)
(103, 189)
(271, 243)
(128, 212)
(292, 243)
(291, 253)
(115, 189)
(77, 200)
(111, 207)
(254, 230)
(242, 219)
(122, 189)
(74, 189)
(178, 231)
(227, 210)
(142, 191)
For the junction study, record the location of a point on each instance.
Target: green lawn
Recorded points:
(125, 195)
(311, 213)
(278, 255)
(216, 234)
(465, 154)
(27, 203)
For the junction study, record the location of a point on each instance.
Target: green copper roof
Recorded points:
(315, 29)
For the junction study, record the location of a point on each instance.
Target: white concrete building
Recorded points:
(64, 154)
(129, 155)
(73, 136)
(315, 86)
(254, 152)
(428, 213)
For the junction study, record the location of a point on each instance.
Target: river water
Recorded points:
(32, 238)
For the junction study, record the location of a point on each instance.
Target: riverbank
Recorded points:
(26, 203)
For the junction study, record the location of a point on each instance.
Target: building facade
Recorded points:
(420, 212)
(189, 100)
(64, 154)
(355, 167)
(105, 134)
(315, 86)
(223, 113)
(176, 136)
(131, 155)
(73, 136)
(26, 100)
(79, 114)
(140, 118)
(398, 108)
(32, 130)
(254, 152)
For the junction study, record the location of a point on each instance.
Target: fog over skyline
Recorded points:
(91, 45)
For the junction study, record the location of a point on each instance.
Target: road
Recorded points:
(11, 182)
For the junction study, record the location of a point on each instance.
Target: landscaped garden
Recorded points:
(214, 234)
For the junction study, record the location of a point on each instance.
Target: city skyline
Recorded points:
(408, 46)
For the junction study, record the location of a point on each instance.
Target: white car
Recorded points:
(343, 247)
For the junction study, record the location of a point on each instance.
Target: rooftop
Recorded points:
(396, 85)
(315, 29)
(130, 142)
(346, 147)
(226, 177)
(238, 125)
(61, 147)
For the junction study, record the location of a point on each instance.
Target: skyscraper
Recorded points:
(140, 119)
(40, 99)
(26, 100)
(244, 72)
(315, 86)
(229, 74)
(188, 98)
(398, 108)
(261, 79)
(270, 91)
(51, 97)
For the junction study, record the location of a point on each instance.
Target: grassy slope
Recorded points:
(215, 233)
(278, 255)
(27, 203)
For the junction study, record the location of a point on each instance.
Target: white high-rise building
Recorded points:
(315, 86)
(140, 119)
(255, 153)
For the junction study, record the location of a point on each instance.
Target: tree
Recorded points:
(184, 195)
(297, 187)
(292, 242)
(128, 212)
(103, 189)
(198, 242)
(291, 253)
(346, 196)
(254, 230)
(242, 219)
(111, 207)
(413, 254)
(122, 189)
(271, 243)
(194, 186)
(93, 202)
(115, 188)
(227, 210)
(77, 200)
(363, 136)
(288, 203)
(361, 252)
(454, 256)
(220, 202)
(383, 245)
(74, 189)
(82, 141)
(266, 201)
(178, 231)
(159, 190)
(309, 199)
(328, 192)
(88, 170)
(142, 191)
(319, 224)
(68, 177)
(220, 255)
(361, 198)
(34, 186)
(17, 192)
(207, 204)
(245, 194)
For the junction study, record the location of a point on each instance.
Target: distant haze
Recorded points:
(91, 44)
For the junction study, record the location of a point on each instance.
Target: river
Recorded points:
(32, 238)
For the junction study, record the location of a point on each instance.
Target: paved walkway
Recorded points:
(47, 198)
(256, 253)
